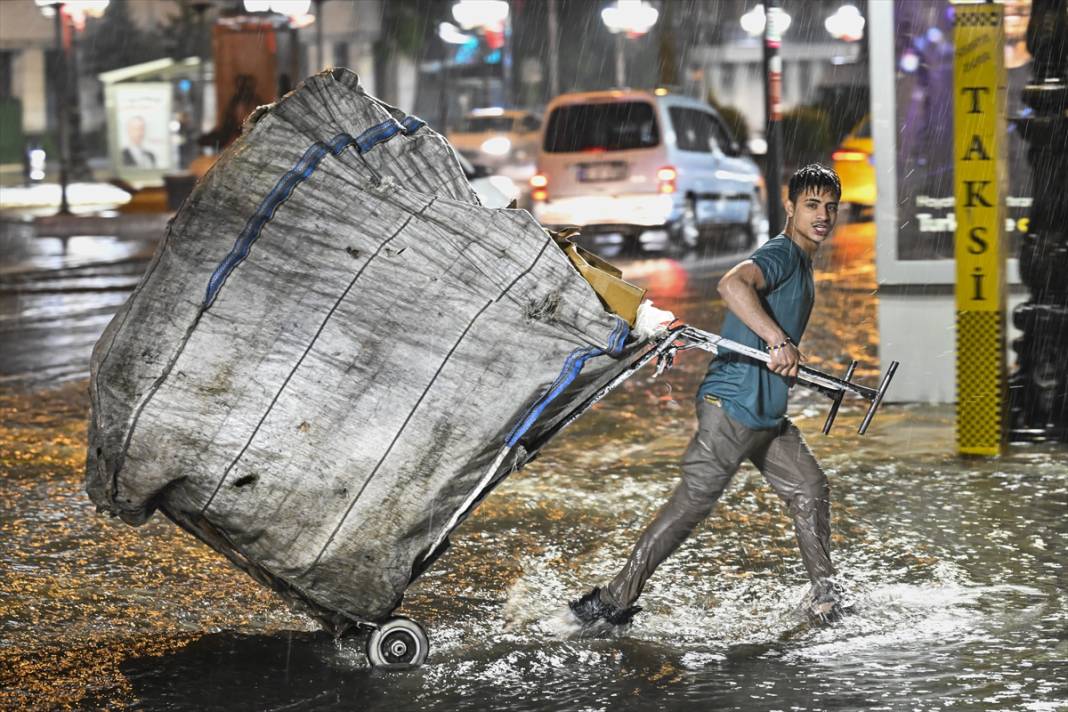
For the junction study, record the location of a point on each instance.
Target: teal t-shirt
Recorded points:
(749, 392)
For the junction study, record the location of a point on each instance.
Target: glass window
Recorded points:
(531, 123)
(692, 130)
(721, 134)
(617, 126)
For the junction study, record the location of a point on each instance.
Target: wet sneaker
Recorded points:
(596, 616)
(825, 602)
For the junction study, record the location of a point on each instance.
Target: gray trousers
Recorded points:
(716, 452)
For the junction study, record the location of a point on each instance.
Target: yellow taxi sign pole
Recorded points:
(979, 144)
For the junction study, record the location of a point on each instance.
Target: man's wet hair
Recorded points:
(814, 177)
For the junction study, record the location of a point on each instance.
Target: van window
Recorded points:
(617, 126)
(693, 130)
(722, 135)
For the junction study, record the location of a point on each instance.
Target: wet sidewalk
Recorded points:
(956, 565)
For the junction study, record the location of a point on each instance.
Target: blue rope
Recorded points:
(377, 134)
(573, 365)
(288, 183)
(412, 124)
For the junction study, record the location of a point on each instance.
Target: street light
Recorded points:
(491, 19)
(74, 12)
(772, 25)
(632, 18)
(297, 14)
(485, 14)
(753, 21)
(291, 8)
(450, 34)
(296, 10)
(55, 11)
(846, 24)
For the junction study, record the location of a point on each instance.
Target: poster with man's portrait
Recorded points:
(141, 139)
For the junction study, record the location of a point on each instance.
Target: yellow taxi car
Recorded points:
(854, 161)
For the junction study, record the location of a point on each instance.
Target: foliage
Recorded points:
(806, 135)
(845, 105)
(736, 122)
(734, 118)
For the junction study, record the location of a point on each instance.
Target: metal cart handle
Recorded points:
(833, 388)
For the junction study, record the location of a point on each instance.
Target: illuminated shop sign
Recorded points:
(927, 210)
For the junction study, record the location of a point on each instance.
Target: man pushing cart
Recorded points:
(334, 324)
(741, 410)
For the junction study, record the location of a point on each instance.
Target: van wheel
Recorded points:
(687, 231)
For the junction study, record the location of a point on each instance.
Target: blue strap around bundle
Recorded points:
(572, 368)
(387, 130)
(296, 175)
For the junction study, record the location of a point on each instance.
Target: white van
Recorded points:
(645, 166)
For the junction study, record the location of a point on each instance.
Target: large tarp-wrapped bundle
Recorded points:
(336, 352)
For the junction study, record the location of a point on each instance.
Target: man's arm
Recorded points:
(740, 290)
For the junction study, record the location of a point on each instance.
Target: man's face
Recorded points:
(135, 130)
(813, 215)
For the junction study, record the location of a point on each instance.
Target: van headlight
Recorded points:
(497, 146)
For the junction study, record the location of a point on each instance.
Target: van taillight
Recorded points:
(538, 183)
(666, 177)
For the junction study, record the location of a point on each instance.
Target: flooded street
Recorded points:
(956, 566)
(56, 297)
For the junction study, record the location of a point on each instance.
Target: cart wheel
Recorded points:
(398, 644)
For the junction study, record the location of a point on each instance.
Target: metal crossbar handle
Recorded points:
(685, 337)
(833, 388)
(837, 400)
